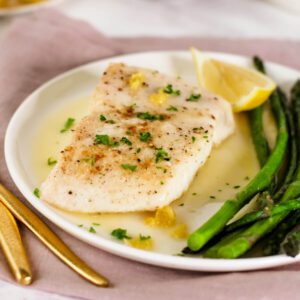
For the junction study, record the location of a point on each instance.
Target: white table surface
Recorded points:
(223, 18)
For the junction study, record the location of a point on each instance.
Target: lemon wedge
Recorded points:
(244, 88)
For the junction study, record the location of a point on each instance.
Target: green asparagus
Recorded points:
(256, 124)
(247, 238)
(259, 64)
(292, 163)
(273, 243)
(259, 183)
(262, 152)
(292, 151)
(252, 217)
(258, 135)
(291, 245)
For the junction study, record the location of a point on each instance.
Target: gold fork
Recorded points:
(49, 238)
(12, 246)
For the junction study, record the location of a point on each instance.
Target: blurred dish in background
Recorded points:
(14, 3)
(291, 5)
(14, 7)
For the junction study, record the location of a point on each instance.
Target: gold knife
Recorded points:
(12, 246)
(49, 238)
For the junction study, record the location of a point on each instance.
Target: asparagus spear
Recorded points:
(259, 64)
(255, 216)
(292, 154)
(259, 183)
(295, 96)
(291, 245)
(273, 246)
(273, 243)
(247, 238)
(250, 218)
(258, 136)
(256, 124)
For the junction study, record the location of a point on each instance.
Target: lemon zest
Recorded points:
(180, 232)
(163, 217)
(136, 80)
(140, 244)
(159, 98)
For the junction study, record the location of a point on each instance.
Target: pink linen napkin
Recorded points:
(40, 46)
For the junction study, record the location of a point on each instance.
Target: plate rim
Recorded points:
(152, 258)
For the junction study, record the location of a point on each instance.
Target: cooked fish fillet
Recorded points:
(140, 147)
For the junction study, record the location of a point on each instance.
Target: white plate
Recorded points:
(80, 82)
(22, 9)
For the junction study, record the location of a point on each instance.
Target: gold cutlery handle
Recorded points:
(49, 238)
(12, 246)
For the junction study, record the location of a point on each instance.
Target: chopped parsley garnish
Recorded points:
(212, 197)
(92, 230)
(105, 140)
(89, 160)
(133, 106)
(145, 237)
(205, 136)
(102, 118)
(146, 116)
(37, 192)
(169, 90)
(145, 136)
(126, 141)
(102, 139)
(96, 224)
(161, 154)
(138, 150)
(236, 186)
(194, 97)
(129, 167)
(129, 132)
(120, 234)
(68, 125)
(172, 108)
(51, 161)
(80, 225)
(115, 144)
(149, 117)
(162, 168)
(193, 139)
(197, 129)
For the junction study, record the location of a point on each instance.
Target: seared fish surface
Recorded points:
(140, 147)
